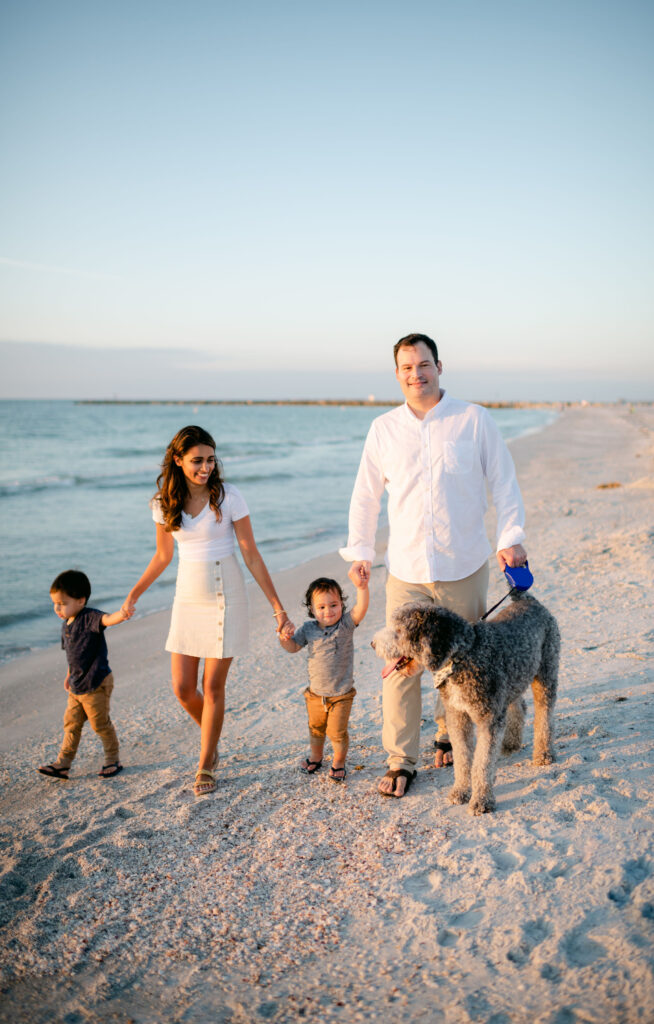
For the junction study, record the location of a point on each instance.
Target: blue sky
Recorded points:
(256, 190)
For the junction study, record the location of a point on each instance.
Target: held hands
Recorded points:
(515, 555)
(287, 631)
(281, 620)
(360, 574)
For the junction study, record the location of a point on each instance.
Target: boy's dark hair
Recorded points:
(321, 586)
(414, 339)
(73, 583)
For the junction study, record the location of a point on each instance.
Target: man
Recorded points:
(433, 455)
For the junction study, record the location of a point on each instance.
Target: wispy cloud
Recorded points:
(24, 265)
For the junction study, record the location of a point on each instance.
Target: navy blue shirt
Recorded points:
(86, 651)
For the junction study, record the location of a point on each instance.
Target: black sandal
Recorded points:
(446, 747)
(310, 767)
(53, 772)
(109, 770)
(337, 778)
(395, 775)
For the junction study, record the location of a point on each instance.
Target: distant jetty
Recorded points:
(300, 401)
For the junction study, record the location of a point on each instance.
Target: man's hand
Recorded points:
(360, 573)
(512, 556)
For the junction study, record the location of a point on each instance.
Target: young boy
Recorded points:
(89, 681)
(328, 635)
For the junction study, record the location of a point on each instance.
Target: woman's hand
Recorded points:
(282, 620)
(287, 630)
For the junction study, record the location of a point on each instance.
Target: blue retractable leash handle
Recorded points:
(520, 578)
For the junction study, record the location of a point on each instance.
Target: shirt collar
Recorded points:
(435, 413)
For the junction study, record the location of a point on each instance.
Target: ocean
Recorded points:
(76, 479)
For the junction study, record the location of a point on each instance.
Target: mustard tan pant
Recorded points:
(401, 697)
(93, 707)
(328, 716)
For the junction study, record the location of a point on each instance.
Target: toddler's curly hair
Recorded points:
(321, 586)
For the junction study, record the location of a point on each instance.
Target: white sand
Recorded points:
(283, 898)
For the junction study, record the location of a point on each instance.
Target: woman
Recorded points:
(196, 508)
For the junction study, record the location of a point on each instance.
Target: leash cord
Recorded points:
(513, 590)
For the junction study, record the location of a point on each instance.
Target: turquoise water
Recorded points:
(75, 481)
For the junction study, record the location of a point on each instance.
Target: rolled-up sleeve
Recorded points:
(365, 503)
(500, 473)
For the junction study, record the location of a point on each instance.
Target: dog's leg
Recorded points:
(515, 720)
(461, 732)
(544, 689)
(489, 741)
(543, 722)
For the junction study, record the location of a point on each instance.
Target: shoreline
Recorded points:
(131, 899)
(372, 402)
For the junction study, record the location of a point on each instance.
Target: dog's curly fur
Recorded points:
(482, 670)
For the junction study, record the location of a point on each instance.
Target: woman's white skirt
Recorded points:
(210, 610)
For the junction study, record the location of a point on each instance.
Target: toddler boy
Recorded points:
(89, 681)
(328, 636)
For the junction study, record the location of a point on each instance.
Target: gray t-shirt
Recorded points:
(331, 655)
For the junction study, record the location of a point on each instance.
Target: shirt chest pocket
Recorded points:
(458, 457)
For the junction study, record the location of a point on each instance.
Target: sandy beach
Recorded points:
(287, 898)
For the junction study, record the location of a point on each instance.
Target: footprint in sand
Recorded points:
(550, 973)
(12, 885)
(579, 949)
(533, 933)
(461, 922)
(634, 872)
(469, 919)
(423, 886)
(504, 861)
(123, 812)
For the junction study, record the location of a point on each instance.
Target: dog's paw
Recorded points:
(544, 757)
(511, 743)
(482, 804)
(458, 795)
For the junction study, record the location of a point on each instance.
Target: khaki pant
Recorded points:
(93, 706)
(329, 715)
(401, 698)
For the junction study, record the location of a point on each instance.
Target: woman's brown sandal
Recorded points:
(201, 788)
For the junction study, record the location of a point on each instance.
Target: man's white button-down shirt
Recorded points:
(435, 471)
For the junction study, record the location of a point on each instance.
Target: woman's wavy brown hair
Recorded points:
(172, 482)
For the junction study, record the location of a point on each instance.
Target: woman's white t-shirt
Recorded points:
(202, 538)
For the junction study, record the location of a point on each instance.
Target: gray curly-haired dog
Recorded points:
(481, 671)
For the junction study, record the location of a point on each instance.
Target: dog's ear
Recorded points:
(445, 634)
(411, 621)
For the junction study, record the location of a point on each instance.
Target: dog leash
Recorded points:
(520, 578)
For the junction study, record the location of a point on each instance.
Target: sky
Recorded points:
(255, 199)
